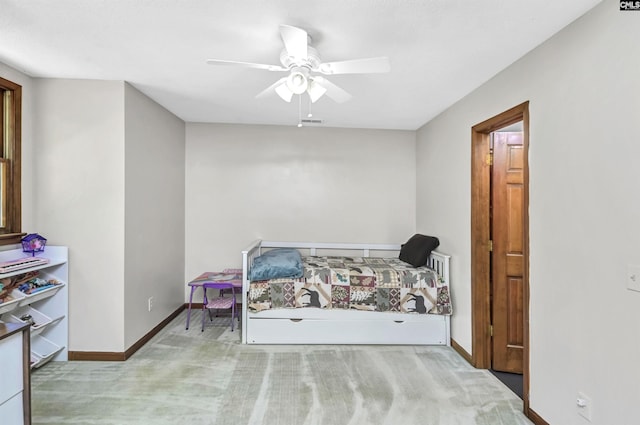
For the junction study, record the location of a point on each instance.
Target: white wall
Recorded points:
(583, 89)
(79, 200)
(109, 184)
(443, 158)
(293, 184)
(154, 213)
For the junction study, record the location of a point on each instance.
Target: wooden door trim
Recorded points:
(480, 235)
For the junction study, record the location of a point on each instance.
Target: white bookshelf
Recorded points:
(49, 308)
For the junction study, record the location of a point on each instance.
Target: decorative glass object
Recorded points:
(33, 243)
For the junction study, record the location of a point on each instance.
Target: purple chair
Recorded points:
(220, 302)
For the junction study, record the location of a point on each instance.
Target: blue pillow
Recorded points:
(277, 263)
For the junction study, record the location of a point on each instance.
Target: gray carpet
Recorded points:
(189, 377)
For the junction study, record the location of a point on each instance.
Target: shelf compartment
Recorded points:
(55, 321)
(35, 361)
(43, 349)
(40, 320)
(8, 306)
(40, 295)
(52, 263)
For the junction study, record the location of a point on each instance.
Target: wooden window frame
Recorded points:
(11, 131)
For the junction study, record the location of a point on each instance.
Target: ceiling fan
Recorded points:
(303, 63)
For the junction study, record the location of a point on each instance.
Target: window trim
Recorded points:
(11, 131)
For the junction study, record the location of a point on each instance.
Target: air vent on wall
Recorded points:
(309, 121)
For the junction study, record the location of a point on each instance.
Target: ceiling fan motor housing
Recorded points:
(312, 61)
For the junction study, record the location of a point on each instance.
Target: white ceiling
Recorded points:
(440, 50)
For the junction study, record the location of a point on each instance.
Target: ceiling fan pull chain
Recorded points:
(299, 110)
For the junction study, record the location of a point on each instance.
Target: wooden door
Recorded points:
(507, 268)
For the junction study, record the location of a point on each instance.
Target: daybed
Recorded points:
(267, 320)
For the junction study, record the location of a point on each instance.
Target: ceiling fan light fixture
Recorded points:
(298, 80)
(315, 91)
(283, 91)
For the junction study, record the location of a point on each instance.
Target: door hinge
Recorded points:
(489, 158)
(490, 246)
(491, 330)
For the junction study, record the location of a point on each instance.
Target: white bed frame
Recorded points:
(320, 326)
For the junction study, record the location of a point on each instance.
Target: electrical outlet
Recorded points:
(584, 405)
(150, 303)
(633, 278)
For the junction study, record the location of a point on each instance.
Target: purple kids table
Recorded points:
(232, 276)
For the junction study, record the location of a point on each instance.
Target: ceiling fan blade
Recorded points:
(334, 92)
(246, 65)
(273, 88)
(295, 41)
(356, 66)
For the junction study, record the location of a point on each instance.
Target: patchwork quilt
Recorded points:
(372, 284)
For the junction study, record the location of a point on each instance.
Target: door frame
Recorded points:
(481, 234)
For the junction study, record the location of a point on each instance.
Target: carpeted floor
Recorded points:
(189, 377)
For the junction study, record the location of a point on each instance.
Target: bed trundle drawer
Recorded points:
(326, 331)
